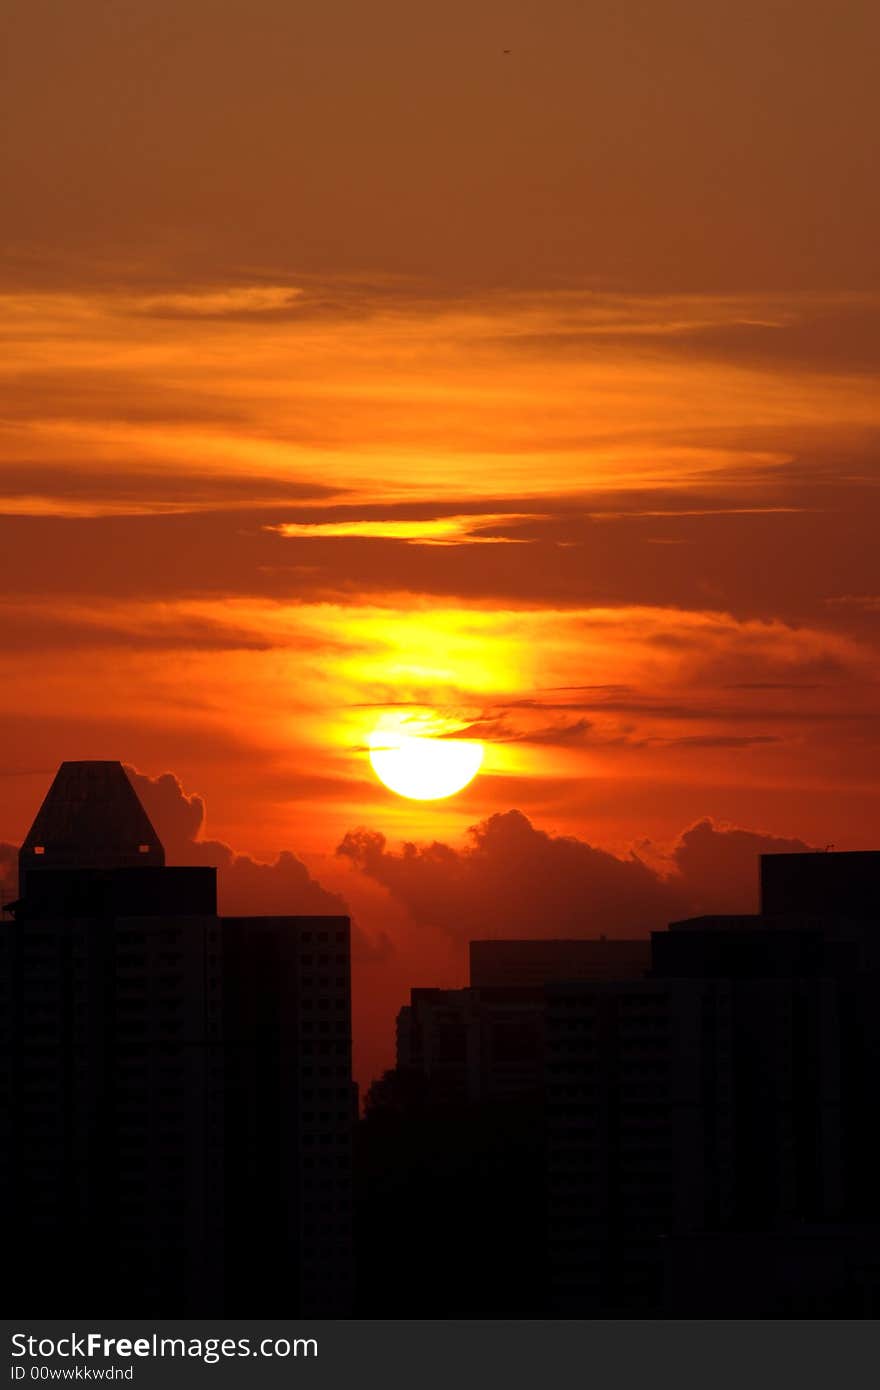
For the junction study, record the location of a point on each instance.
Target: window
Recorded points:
(143, 849)
(39, 849)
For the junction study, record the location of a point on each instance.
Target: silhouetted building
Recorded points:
(471, 1044)
(698, 1111)
(839, 885)
(682, 1106)
(450, 1171)
(496, 963)
(453, 1138)
(725, 1105)
(487, 1041)
(176, 1136)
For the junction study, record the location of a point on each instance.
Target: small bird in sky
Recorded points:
(507, 50)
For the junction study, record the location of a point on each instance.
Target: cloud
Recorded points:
(721, 741)
(229, 540)
(514, 880)
(718, 865)
(470, 529)
(47, 489)
(227, 302)
(870, 603)
(246, 886)
(583, 731)
(29, 628)
(503, 731)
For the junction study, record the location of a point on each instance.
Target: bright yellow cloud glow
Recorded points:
(444, 530)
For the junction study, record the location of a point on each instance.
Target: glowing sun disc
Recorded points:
(424, 769)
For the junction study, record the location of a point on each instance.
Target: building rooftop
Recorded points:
(838, 883)
(91, 818)
(536, 961)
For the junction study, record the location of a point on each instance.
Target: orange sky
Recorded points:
(351, 366)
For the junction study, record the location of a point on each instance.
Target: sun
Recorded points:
(424, 769)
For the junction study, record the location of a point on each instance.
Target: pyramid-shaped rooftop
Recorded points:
(91, 818)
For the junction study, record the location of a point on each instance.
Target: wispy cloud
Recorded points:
(445, 530)
(235, 301)
(392, 392)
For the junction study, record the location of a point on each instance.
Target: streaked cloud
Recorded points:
(445, 530)
(418, 397)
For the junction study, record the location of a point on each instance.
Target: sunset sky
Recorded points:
(354, 368)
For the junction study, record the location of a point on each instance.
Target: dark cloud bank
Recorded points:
(512, 879)
(245, 885)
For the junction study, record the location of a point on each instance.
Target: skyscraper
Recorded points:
(176, 1133)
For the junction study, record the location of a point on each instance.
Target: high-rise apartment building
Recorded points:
(178, 1105)
(723, 1111)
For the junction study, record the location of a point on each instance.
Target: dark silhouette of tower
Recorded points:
(177, 1132)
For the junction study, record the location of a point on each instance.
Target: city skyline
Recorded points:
(511, 877)
(439, 660)
(612, 1126)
